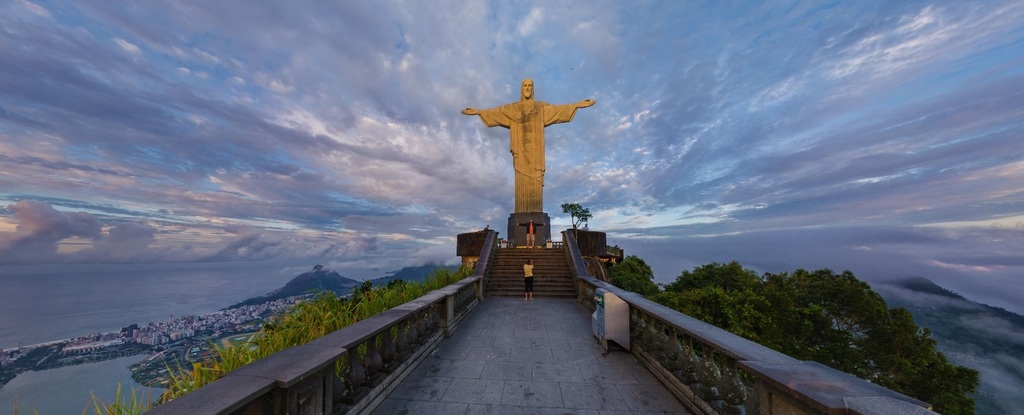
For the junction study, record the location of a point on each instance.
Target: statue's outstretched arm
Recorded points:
(492, 117)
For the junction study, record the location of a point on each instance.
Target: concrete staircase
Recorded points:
(552, 276)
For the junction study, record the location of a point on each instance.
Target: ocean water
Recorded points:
(67, 390)
(45, 303)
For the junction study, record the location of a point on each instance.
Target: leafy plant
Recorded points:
(122, 405)
(635, 275)
(579, 214)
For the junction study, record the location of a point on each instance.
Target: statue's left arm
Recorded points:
(554, 114)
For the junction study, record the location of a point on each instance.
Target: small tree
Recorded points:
(633, 274)
(580, 214)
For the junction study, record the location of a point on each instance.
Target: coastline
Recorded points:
(180, 340)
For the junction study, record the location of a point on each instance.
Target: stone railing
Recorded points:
(348, 371)
(572, 251)
(713, 371)
(486, 260)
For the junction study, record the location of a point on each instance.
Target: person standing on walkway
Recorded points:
(528, 278)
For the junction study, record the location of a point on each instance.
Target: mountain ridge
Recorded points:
(986, 338)
(324, 279)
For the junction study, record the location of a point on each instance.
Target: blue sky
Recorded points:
(880, 137)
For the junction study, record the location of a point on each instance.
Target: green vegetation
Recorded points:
(579, 214)
(306, 322)
(122, 405)
(635, 275)
(834, 319)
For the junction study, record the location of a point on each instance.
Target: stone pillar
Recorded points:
(517, 229)
(470, 244)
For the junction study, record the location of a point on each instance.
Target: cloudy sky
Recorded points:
(880, 137)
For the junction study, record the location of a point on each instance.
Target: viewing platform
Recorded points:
(455, 350)
(512, 356)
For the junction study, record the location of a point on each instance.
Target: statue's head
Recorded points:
(526, 92)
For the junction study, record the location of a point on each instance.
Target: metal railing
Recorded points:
(713, 371)
(348, 371)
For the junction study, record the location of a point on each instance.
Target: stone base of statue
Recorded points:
(518, 225)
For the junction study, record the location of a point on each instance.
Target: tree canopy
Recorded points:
(633, 274)
(579, 214)
(832, 318)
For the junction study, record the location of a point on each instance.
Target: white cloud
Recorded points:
(929, 37)
(777, 93)
(35, 8)
(279, 86)
(441, 254)
(204, 55)
(127, 46)
(530, 22)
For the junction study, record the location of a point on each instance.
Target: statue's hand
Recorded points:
(471, 111)
(586, 103)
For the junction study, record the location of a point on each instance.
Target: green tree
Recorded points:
(834, 319)
(633, 274)
(730, 277)
(744, 313)
(909, 362)
(579, 214)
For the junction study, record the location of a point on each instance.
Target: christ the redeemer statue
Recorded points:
(526, 120)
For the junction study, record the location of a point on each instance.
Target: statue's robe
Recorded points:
(526, 121)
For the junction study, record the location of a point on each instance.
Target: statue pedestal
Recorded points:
(517, 228)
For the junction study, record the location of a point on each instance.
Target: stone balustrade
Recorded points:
(713, 371)
(347, 371)
(709, 369)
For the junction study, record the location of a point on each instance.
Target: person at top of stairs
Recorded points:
(531, 233)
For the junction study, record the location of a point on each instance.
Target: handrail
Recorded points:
(572, 248)
(346, 371)
(713, 371)
(485, 261)
(486, 258)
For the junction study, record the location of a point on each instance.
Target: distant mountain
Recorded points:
(924, 285)
(412, 274)
(319, 279)
(322, 279)
(985, 338)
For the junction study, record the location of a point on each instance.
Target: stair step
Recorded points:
(553, 278)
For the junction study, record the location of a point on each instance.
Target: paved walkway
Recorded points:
(512, 356)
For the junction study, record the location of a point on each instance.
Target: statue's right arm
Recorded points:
(491, 117)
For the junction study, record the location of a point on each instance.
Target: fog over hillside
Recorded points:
(978, 336)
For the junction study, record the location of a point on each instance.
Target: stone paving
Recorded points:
(512, 356)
